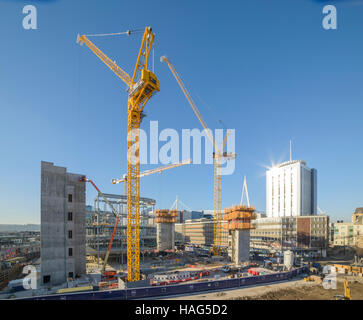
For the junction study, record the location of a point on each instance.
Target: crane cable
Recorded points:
(128, 32)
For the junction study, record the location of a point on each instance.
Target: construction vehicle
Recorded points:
(346, 295)
(314, 278)
(141, 86)
(218, 155)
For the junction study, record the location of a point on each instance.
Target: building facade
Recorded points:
(291, 190)
(63, 237)
(189, 215)
(304, 233)
(198, 232)
(350, 233)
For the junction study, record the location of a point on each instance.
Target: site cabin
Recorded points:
(179, 277)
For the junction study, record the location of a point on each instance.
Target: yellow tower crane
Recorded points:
(141, 87)
(217, 155)
(152, 171)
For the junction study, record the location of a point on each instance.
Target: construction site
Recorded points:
(125, 246)
(123, 241)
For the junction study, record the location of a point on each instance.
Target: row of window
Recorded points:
(70, 233)
(46, 278)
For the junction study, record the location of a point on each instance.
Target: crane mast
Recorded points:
(217, 156)
(141, 87)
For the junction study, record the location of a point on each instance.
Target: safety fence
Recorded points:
(169, 290)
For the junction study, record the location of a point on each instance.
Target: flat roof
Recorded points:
(286, 163)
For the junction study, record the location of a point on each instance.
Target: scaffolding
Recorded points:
(166, 216)
(239, 217)
(101, 220)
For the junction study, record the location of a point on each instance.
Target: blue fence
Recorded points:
(159, 291)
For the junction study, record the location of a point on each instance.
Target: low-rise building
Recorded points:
(301, 233)
(350, 233)
(304, 233)
(198, 232)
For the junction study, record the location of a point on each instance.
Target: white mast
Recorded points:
(244, 189)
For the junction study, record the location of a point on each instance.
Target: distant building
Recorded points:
(343, 234)
(304, 233)
(307, 233)
(331, 233)
(63, 231)
(260, 214)
(189, 215)
(291, 190)
(350, 233)
(198, 232)
(357, 217)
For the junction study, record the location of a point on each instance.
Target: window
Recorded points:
(70, 216)
(70, 234)
(70, 252)
(70, 275)
(46, 279)
(70, 198)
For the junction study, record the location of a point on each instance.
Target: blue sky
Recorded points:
(265, 68)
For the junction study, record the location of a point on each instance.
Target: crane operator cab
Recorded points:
(145, 88)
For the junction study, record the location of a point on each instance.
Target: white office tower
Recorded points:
(291, 190)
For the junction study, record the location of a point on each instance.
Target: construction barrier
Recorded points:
(157, 291)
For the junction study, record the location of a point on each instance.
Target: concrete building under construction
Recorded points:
(238, 224)
(63, 240)
(101, 221)
(165, 221)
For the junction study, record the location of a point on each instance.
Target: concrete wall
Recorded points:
(165, 233)
(239, 248)
(56, 185)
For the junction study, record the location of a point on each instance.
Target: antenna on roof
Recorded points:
(290, 150)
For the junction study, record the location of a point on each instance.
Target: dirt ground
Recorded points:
(312, 291)
(292, 290)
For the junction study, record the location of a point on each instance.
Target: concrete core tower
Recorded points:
(165, 230)
(239, 224)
